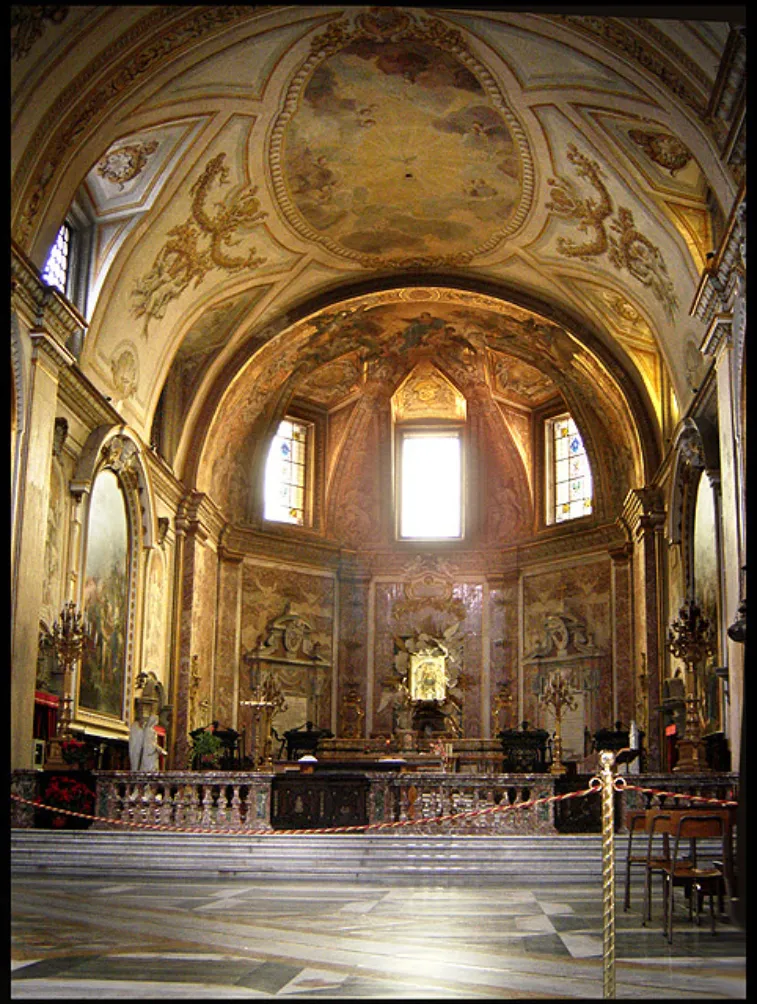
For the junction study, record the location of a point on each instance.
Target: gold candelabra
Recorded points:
(503, 700)
(266, 702)
(68, 635)
(690, 640)
(558, 695)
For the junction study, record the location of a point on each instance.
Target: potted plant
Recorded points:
(205, 751)
(75, 752)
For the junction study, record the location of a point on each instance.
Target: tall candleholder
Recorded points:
(558, 695)
(690, 640)
(68, 635)
(266, 702)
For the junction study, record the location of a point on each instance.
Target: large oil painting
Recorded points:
(105, 601)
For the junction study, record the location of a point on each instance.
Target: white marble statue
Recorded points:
(144, 747)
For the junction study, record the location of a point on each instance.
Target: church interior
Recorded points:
(378, 408)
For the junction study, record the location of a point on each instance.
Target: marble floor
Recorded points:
(224, 938)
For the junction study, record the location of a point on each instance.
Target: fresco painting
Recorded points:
(105, 601)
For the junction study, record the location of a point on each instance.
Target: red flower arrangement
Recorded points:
(67, 793)
(74, 751)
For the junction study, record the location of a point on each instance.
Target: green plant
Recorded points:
(205, 749)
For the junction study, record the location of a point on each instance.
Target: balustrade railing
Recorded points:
(216, 800)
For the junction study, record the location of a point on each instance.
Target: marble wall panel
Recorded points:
(395, 616)
(583, 590)
(266, 590)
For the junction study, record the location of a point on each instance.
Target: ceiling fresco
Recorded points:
(314, 200)
(399, 146)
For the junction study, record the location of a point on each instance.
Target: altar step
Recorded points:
(378, 858)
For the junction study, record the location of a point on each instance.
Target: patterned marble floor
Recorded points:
(220, 939)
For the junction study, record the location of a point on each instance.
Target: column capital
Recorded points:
(643, 513)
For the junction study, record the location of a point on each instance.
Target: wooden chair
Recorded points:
(636, 822)
(698, 880)
(659, 825)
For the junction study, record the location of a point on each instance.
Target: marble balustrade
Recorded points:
(229, 800)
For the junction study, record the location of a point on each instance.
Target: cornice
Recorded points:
(39, 305)
(721, 278)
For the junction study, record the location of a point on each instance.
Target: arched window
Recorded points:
(569, 482)
(288, 475)
(57, 270)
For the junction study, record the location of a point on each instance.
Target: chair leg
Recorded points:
(669, 911)
(627, 899)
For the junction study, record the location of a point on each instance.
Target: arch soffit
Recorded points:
(208, 408)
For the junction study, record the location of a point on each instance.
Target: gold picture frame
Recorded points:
(428, 678)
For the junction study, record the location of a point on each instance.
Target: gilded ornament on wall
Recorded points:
(201, 243)
(614, 236)
(662, 148)
(126, 163)
(28, 24)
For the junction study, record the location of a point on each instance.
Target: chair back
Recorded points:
(698, 826)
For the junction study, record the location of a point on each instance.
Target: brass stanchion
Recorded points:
(606, 783)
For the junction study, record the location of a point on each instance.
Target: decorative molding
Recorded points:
(158, 37)
(39, 305)
(620, 36)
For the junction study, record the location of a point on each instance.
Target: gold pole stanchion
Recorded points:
(606, 780)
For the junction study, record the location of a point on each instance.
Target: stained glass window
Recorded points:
(55, 272)
(286, 473)
(569, 492)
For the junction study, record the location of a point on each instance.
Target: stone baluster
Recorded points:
(193, 806)
(166, 807)
(222, 812)
(236, 818)
(207, 805)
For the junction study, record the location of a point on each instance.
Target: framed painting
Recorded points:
(428, 677)
(105, 599)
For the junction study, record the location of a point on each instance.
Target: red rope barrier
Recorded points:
(394, 824)
(675, 794)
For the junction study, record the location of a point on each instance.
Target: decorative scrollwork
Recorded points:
(183, 259)
(618, 238)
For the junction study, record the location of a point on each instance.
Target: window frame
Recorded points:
(548, 513)
(309, 504)
(428, 429)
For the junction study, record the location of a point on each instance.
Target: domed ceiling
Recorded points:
(291, 201)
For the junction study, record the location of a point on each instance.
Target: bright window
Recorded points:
(569, 488)
(430, 492)
(286, 473)
(55, 272)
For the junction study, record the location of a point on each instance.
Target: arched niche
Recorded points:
(118, 520)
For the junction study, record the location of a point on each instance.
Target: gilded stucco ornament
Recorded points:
(663, 149)
(616, 237)
(201, 243)
(126, 163)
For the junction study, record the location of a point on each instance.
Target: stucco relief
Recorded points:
(583, 594)
(396, 145)
(202, 242)
(616, 237)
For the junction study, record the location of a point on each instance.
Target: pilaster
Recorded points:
(643, 519)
